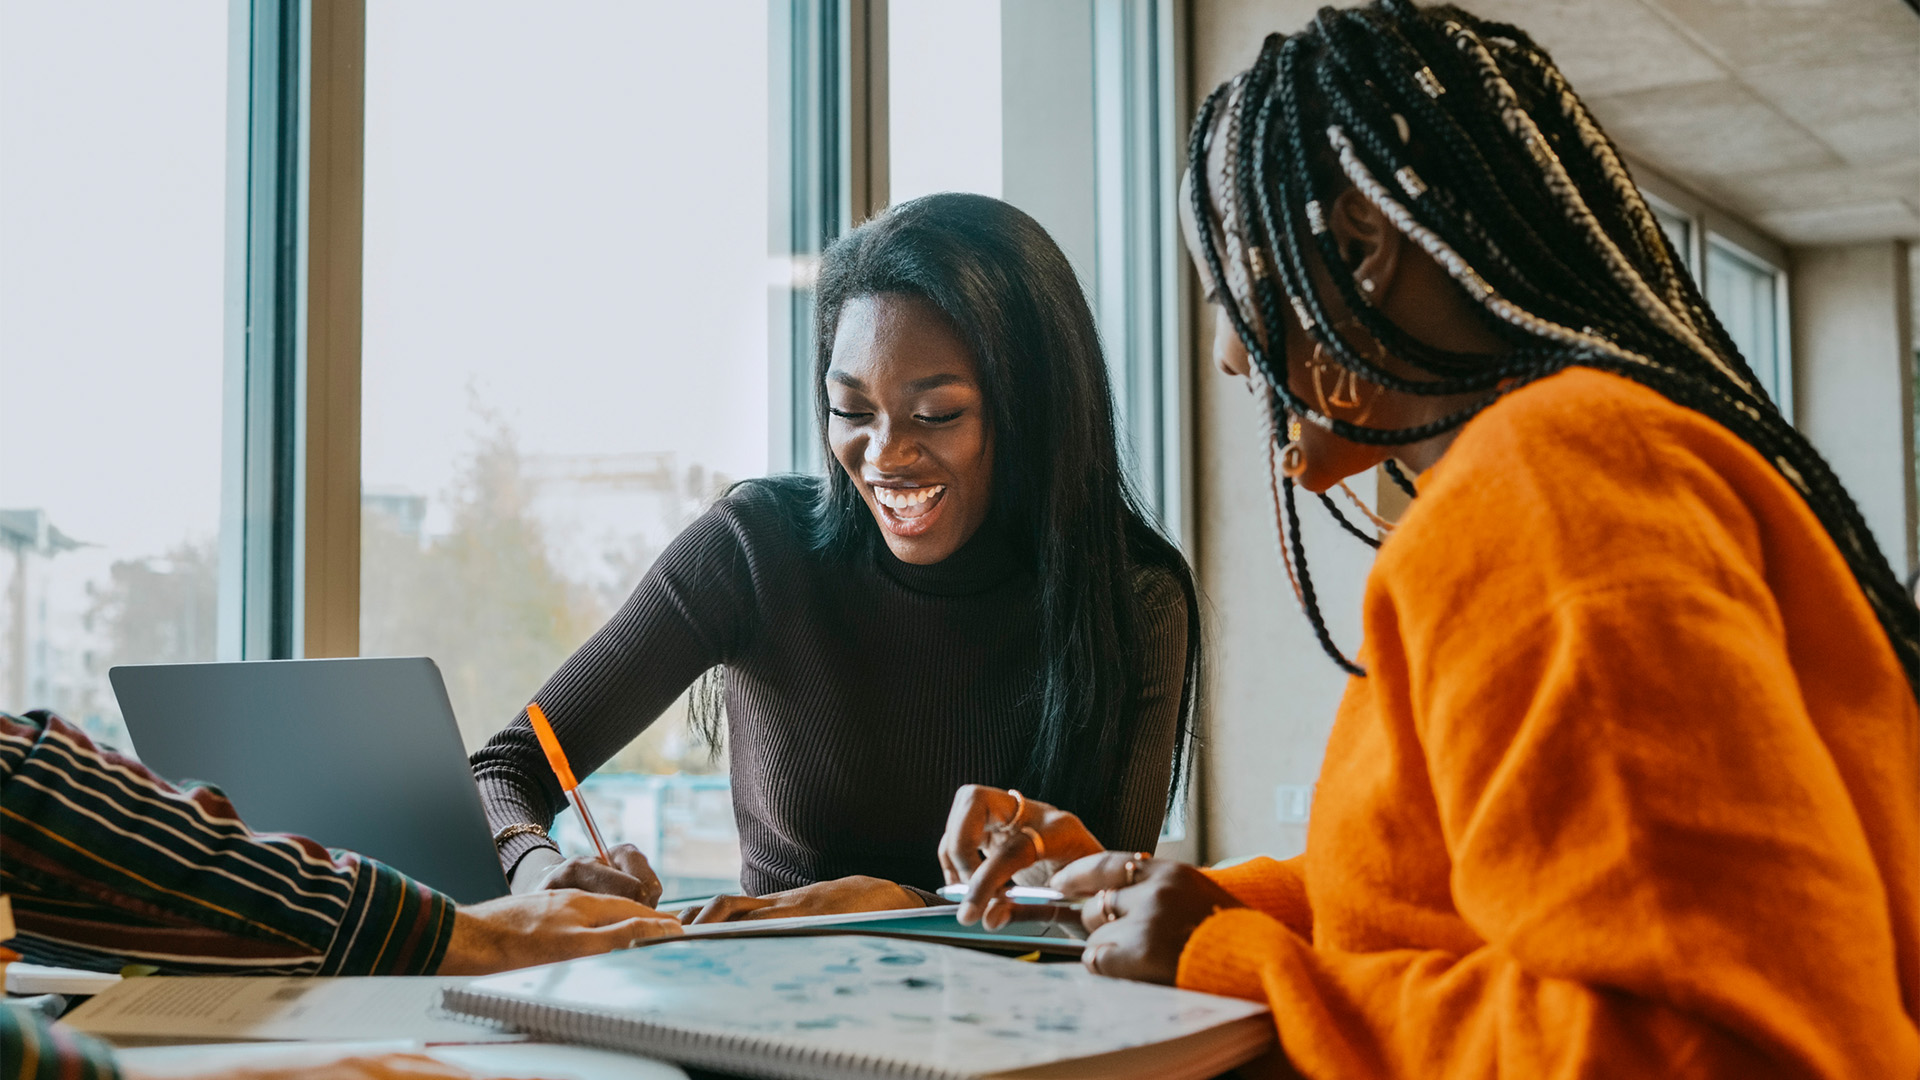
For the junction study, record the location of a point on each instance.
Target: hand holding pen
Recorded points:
(621, 870)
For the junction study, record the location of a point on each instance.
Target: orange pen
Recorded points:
(557, 758)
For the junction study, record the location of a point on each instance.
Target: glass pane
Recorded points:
(943, 97)
(112, 286)
(1742, 294)
(566, 351)
(1679, 230)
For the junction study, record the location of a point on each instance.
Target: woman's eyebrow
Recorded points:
(934, 381)
(845, 379)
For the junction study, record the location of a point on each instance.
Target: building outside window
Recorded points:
(112, 276)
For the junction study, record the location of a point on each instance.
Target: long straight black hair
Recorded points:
(1058, 488)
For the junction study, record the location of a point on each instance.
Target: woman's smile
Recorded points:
(907, 509)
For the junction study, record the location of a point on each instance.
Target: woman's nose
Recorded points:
(1229, 352)
(890, 450)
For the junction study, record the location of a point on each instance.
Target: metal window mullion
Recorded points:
(261, 545)
(1140, 281)
(831, 175)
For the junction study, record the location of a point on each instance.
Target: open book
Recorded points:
(816, 1008)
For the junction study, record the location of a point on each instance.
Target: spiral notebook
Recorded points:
(823, 1008)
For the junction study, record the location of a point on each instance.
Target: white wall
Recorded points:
(1853, 392)
(1271, 692)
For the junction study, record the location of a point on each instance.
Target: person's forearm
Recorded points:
(235, 901)
(534, 867)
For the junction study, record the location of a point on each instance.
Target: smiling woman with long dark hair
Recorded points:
(971, 593)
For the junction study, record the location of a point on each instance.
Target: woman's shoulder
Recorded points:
(1158, 588)
(1590, 479)
(770, 511)
(1584, 418)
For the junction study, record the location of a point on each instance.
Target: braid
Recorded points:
(1467, 137)
(1308, 599)
(1399, 478)
(1341, 518)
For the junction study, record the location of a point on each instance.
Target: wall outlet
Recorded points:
(1292, 803)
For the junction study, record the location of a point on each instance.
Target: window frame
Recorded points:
(1782, 327)
(1709, 225)
(291, 469)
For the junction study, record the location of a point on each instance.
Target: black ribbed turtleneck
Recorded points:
(862, 691)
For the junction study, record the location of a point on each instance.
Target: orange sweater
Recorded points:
(1632, 788)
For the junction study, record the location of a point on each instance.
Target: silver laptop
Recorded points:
(361, 754)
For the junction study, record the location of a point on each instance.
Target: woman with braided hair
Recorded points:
(1626, 779)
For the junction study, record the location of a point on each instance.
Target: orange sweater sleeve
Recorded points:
(1277, 889)
(1654, 855)
(1652, 904)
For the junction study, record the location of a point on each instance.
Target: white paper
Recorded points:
(497, 1061)
(239, 1008)
(25, 978)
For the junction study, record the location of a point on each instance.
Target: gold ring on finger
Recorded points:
(1107, 914)
(1099, 953)
(1039, 845)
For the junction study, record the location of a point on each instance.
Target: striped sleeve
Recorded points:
(108, 864)
(35, 1048)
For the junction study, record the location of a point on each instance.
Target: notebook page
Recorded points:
(878, 998)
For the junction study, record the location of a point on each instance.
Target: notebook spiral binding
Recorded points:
(748, 1055)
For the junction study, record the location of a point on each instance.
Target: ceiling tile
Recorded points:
(1708, 130)
(1606, 48)
(1748, 33)
(1845, 224)
(1797, 189)
(1868, 111)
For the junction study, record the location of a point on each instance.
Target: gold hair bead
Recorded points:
(1428, 82)
(1410, 181)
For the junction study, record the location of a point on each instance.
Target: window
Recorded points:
(1679, 230)
(1071, 113)
(1747, 291)
(574, 304)
(1746, 296)
(112, 276)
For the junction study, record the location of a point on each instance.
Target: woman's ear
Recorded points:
(1370, 241)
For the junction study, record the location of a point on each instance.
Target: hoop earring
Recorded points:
(1346, 387)
(1293, 456)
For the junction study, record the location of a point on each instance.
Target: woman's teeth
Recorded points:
(907, 499)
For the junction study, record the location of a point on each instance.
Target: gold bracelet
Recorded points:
(519, 828)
